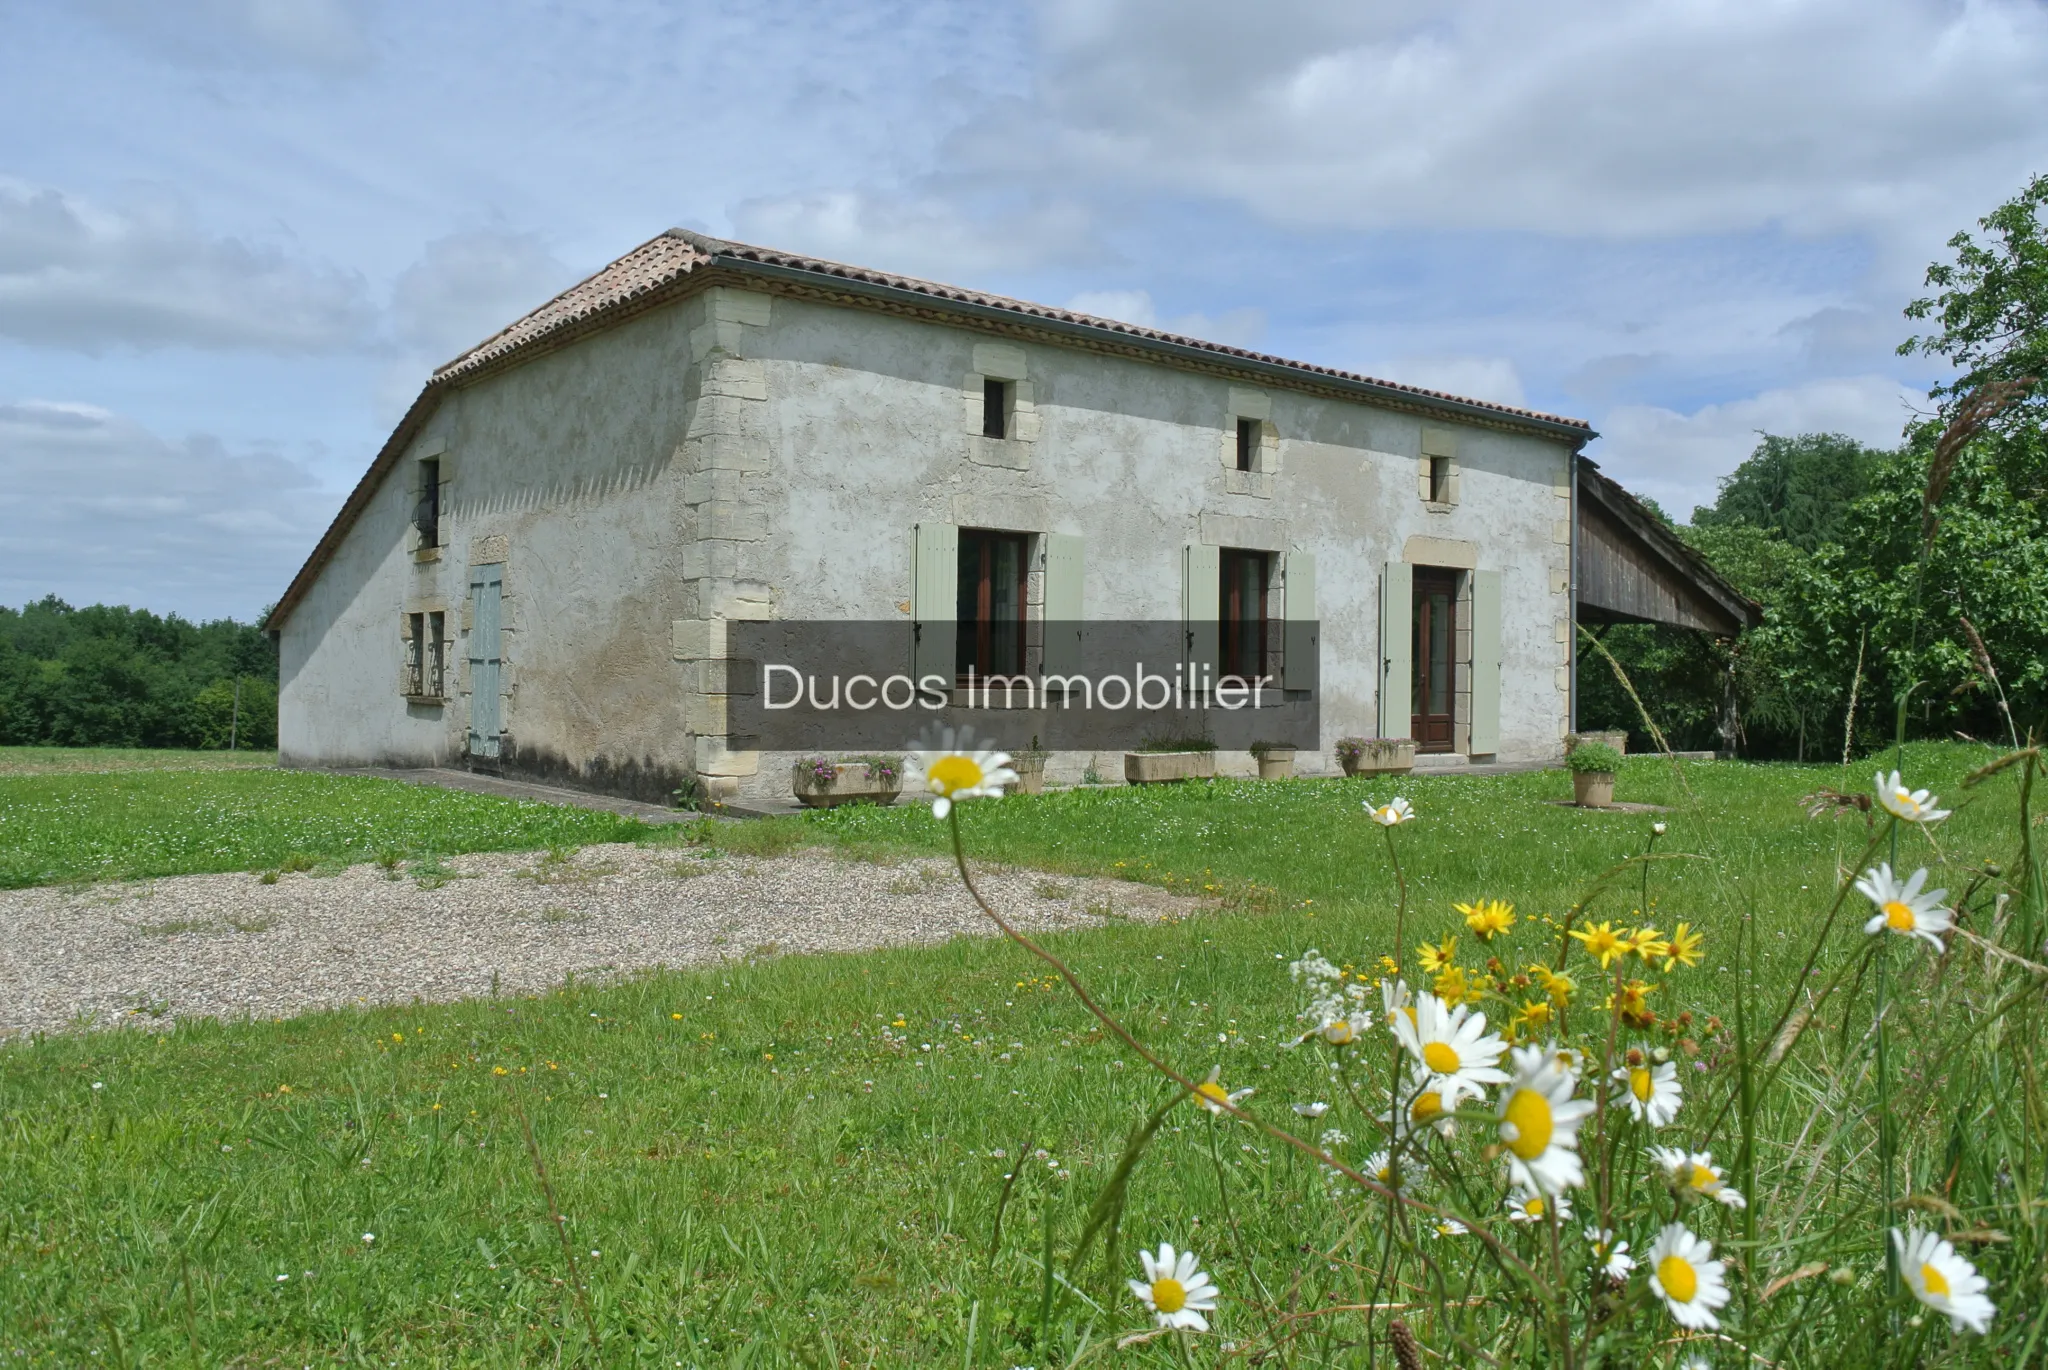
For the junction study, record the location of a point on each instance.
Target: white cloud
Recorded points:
(1677, 458)
(924, 236)
(79, 275)
(1606, 118)
(1476, 378)
(467, 286)
(325, 35)
(97, 509)
(1234, 327)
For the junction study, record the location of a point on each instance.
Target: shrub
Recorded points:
(1593, 758)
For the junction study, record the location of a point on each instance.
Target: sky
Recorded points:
(237, 235)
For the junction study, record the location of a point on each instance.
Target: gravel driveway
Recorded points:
(227, 946)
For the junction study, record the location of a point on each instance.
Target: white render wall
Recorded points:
(742, 456)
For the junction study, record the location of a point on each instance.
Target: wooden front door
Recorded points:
(1436, 636)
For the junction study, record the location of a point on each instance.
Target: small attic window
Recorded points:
(426, 514)
(1248, 444)
(1440, 480)
(995, 408)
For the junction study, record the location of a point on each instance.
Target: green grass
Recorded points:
(65, 760)
(759, 1167)
(124, 824)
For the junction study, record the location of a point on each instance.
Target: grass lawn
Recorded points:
(122, 821)
(802, 1161)
(70, 760)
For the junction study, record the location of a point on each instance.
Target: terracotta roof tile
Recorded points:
(675, 254)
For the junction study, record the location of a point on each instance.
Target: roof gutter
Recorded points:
(1384, 394)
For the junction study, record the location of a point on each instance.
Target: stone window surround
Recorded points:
(433, 449)
(1005, 363)
(1438, 443)
(1257, 406)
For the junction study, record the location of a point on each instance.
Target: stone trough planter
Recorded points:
(1154, 768)
(1376, 755)
(848, 783)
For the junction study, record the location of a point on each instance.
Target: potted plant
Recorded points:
(1171, 758)
(821, 783)
(1276, 759)
(1376, 755)
(1029, 765)
(1593, 765)
(1616, 738)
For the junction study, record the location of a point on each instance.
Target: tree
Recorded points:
(1992, 308)
(1796, 489)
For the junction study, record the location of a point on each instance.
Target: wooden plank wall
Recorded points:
(1619, 576)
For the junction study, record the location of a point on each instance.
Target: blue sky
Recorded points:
(235, 235)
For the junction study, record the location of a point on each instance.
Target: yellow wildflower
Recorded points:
(1602, 942)
(1535, 1015)
(1453, 988)
(1559, 986)
(1649, 944)
(1633, 1003)
(1683, 948)
(1437, 958)
(1488, 917)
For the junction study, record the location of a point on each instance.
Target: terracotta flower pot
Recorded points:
(1593, 789)
(1030, 774)
(1276, 763)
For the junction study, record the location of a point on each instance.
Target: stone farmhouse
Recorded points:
(537, 574)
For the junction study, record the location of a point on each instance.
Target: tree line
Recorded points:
(1916, 573)
(111, 676)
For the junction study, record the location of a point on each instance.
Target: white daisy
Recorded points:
(1684, 1273)
(1697, 1173)
(1381, 1169)
(1396, 1003)
(1314, 1110)
(1915, 806)
(1450, 1227)
(1539, 1121)
(1175, 1288)
(1211, 1094)
(1615, 1261)
(1567, 1058)
(1905, 908)
(954, 771)
(1533, 1206)
(1943, 1280)
(1452, 1044)
(1650, 1090)
(1391, 814)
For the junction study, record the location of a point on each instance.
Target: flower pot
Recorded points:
(1380, 756)
(1275, 763)
(1616, 738)
(852, 784)
(1030, 774)
(1153, 768)
(1593, 789)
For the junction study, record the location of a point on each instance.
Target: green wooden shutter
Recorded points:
(1300, 661)
(1485, 662)
(1397, 649)
(486, 592)
(1064, 564)
(1201, 604)
(934, 600)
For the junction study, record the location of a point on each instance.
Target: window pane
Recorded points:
(1006, 607)
(1440, 654)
